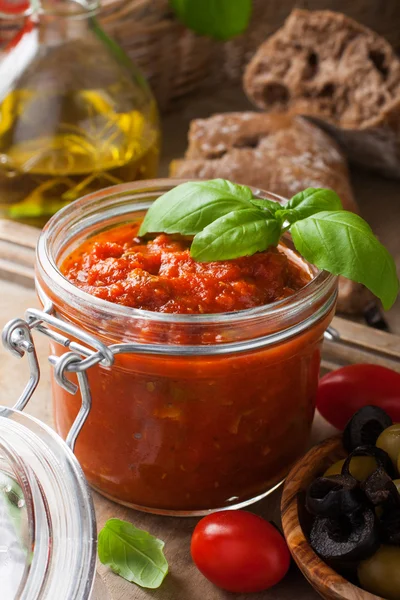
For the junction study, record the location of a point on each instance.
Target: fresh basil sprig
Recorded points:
(220, 19)
(132, 553)
(228, 222)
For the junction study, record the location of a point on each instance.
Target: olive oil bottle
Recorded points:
(75, 115)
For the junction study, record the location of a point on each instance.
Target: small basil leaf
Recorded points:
(239, 233)
(132, 553)
(221, 19)
(191, 206)
(309, 202)
(343, 244)
(268, 205)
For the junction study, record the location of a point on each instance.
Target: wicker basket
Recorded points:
(176, 61)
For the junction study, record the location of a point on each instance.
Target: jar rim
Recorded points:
(46, 262)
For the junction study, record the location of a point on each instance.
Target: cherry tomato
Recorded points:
(239, 551)
(341, 393)
(13, 7)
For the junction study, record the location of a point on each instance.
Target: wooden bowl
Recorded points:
(325, 581)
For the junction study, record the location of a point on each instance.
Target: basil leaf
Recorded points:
(343, 244)
(132, 553)
(239, 233)
(220, 19)
(267, 205)
(191, 206)
(309, 202)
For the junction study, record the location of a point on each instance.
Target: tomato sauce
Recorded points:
(191, 432)
(160, 275)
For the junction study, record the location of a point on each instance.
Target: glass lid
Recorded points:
(47, 519)
(16, 542)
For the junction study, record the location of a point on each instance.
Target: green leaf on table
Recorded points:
(132, 553)
(220, 19)
(344, 244)
(309, 202)
(190, 207)
(239, 233)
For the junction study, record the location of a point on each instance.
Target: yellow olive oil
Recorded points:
(56, 147)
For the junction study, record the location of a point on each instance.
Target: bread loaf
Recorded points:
(274, 152)
(278, 153)
(329, 67)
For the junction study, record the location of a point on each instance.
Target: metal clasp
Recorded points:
(17, 338)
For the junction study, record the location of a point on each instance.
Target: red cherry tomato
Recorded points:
(14, 7)
(341, 393)
(239, 551)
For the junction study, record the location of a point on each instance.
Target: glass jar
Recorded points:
(75, 114)
(190, 412)
(47, 521)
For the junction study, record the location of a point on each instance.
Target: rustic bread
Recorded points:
(279, 153)
(274, 152)
(327, 66)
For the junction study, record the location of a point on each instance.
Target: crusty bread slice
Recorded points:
(327, 66)
(274, 152)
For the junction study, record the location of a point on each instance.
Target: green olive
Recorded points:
(334, 469)
(380, 574)
(389, 440)
(360, 467)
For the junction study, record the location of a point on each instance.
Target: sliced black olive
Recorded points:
(364, 427)
(381, 457)
(333, 496)
(346, 539)
(390, 526)
(380, 489)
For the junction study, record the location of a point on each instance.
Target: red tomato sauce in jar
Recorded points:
(160, 275)
(191, 432)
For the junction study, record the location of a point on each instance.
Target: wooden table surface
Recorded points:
(380, 203)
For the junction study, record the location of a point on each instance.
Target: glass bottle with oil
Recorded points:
(75, 114)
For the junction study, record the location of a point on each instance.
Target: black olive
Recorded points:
(348, 538)
(381, 457)
(333, 496)
(380, 489)
(390, 526)
(364, 427)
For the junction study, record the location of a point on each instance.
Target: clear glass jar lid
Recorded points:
(47, 520)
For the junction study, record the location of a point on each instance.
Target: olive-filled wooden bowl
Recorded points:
(296, 523)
